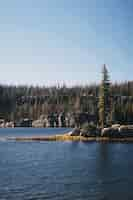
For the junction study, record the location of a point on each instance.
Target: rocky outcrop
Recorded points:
(39, 123)
(115, 125)
(115, 131)
(126, 130)
(110, 132)
(75, 132)
(84, 133)
(105, 131)
(118, 131)
(88, 133)
(9, 125)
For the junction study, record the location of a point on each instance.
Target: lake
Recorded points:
(64, 170)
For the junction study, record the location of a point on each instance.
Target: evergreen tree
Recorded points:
(104, 99)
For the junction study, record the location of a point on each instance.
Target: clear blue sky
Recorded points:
(56, 41)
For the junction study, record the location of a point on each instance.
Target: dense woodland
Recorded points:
(18, 102)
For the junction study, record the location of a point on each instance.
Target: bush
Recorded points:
(89, 129)
(88, 126)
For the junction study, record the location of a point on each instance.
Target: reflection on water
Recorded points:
(66, 170)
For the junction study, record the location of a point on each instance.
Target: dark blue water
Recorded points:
(65, 170)
(32, 131)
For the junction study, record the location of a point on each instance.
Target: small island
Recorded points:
(116, 133)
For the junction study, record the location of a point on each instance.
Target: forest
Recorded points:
(18, 102)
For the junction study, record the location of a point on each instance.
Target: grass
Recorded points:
(67, 137)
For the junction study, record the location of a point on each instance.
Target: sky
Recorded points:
(47, 42)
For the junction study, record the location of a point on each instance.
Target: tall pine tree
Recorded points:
(104, 99)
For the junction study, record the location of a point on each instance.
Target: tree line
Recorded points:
(18, 102)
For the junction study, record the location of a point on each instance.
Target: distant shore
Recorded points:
(67, 137)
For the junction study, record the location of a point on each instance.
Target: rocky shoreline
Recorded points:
(67, 137)
(115, 133)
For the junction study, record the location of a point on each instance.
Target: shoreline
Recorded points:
(67, 137)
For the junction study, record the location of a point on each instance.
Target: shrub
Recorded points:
(89, 129)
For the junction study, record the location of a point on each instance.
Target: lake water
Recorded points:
(64, 170)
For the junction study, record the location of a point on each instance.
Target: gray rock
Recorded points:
(111, 131)
(105, 131)
(84, 133)
(75, 132)
(38, 123)
(126, 130)
(115, 126)
(118, 131)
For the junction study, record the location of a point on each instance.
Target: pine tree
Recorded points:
(104, 99)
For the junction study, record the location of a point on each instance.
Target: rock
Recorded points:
(9, 125)
(84, 133)
(126, 130)
(115, 126)
(118, 131)
(38, 123)
(75, 132)
(115, 132)
(88, 133)
(105, 131)
(111, 131)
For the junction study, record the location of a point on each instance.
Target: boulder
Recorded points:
(115, 125)
(126, 130)
(38, 123)
(9, 125)
(75, 132)
(106, 132)
(118, 131)
(110, 132)
(84, 133)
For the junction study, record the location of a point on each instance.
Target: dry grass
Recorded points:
(67, 137)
